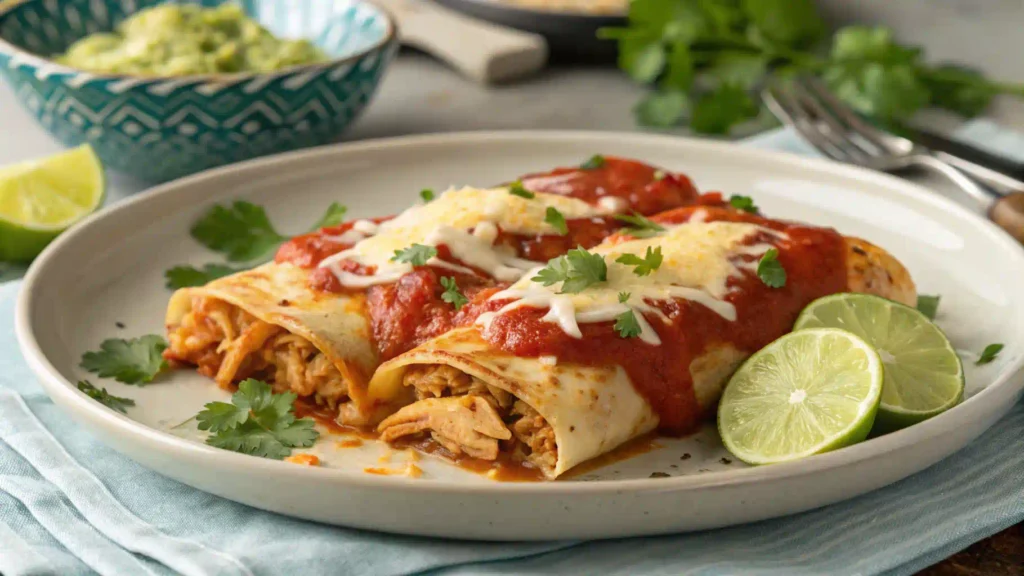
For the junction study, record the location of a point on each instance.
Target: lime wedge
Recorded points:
(40, 199)
(806, 393)
(923, 374)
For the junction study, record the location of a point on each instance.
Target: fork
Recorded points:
(840, 134)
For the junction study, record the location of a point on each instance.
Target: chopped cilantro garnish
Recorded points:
(744, 203)
(594, 162)
(134, 361)
(643, 266)
(928, 305)
(640, 226)
(627, 325)
(770, 270)
(516, 189)
(624, 297)
(577, 270)
(989, 354)
(417, 254)
(451, 293)
(427, 194)
(106, 398)
(334, 215)
(557, 221)
(257, 422)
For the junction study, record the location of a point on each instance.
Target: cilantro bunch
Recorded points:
(708, 57)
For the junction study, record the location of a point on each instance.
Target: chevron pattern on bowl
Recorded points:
(158, 129)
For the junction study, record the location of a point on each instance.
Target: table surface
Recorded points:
(420, 95)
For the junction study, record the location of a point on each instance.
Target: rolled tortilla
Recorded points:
(553, 415)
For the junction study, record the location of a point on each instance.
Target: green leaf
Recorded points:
(577, 271)
(739, 69)
(516, 189)
(334, 215)
(257, 422)
(624, 297)
(887, 92)
(662, 109)
(557, 221)
(720, 110)
(451, 293)
(744, 203)
(679, 75)
(959, 89)
(106, 398)
(417, 254)
(593, 163)
(187, 276)
(928, 305)
(627, 325)
(989, 354)
(871, 44)
(241, 231)
(640, 226)
(770, 270)
(643, 266)
(427, 195)
(642, 59)
(134, 361)
(793, 23)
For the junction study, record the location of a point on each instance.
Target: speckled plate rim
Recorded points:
(35, 60)
(999, 394)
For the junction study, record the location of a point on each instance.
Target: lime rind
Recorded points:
(806, 393)
(924, 375)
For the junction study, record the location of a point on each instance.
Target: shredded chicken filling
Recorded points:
(229, 345)
(478, 420)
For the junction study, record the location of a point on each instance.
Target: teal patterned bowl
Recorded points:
(158, 129)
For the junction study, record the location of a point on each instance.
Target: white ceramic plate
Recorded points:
(110, 269)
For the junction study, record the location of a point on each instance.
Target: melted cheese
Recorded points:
(465, 220)
(698, 260)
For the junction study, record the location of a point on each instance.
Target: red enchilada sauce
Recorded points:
(814, 259)
(410, 311)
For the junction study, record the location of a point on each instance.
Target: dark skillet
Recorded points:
(571, 36)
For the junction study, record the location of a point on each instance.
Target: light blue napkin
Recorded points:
(69, 505)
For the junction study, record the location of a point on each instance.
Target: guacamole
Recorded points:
(181, 40)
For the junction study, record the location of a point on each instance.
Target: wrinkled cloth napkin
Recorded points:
(70, 505)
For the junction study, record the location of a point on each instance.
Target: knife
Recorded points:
(998, 170)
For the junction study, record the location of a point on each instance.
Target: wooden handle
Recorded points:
(1008, 214)
(480, 50)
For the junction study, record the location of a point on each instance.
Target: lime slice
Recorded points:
(806, 393)
(923, 374)
(40, 199)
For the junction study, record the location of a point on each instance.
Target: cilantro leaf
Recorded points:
(989, 354)
(186, 276)
(427, 194)
(577, 271)
(557, 221)
(662, 109)
(639, 226)
(928, 305)
(594, 162)
(680, 71)
(106, 398)
(451, 293)
(642, 266)
(624, 297)
(959, 89)
(717, 111)
(627, 325)
(770, 270)
(642, 58)
(417, 254)
(134, 361)
(739, 68)
(257, 422)
(516, 189)
(870, 44)
(334, 215)
(744, 203)
(883, 91)
(789, 22)
(241, 231)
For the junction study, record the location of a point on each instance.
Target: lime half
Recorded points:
(40, 199)
(806, 393)
(923, 374)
